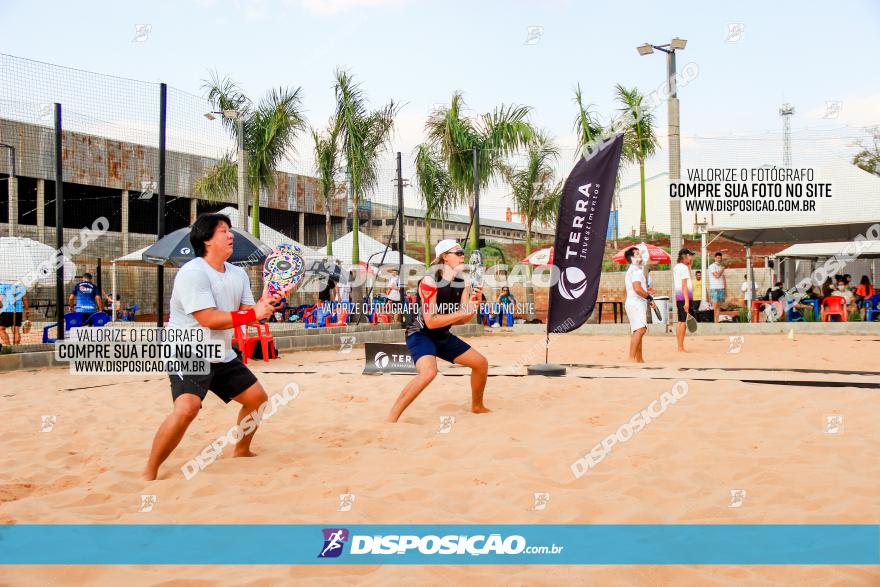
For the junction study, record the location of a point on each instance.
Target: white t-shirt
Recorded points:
(199, 286)
(715, 282)
(344, 292)
(747, 290)
(633, 274)
(393, 289)
(679, 273)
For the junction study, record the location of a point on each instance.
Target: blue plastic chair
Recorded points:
(872, 308)
(71, 320)
(99, 319)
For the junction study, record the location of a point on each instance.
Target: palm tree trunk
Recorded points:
(428, 255)
(530, 293)
(473, 237)
(355, 227)
(643, 221)
(327, 230)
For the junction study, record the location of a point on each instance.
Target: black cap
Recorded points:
(685, 251)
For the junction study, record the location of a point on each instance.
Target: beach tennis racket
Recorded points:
(657, 312)
(691, 323)
(476, 263)
(284, 269)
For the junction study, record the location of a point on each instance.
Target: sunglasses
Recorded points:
(458, 253)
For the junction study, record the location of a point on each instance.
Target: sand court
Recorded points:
(769, 438)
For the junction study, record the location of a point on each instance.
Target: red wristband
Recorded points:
(243, 317)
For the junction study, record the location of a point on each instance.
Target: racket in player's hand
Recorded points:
(476, 263)
(283, 270)
(691, 323)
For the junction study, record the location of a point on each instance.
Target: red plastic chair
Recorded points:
(266, 340)
(247, 343)
(340, 318)
(241, 338)
(833, 306)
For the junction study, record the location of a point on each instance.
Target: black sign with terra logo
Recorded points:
(388, 358)
(581, 228)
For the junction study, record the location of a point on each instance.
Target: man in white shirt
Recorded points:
(211, 293)
(636, 305)
(684, 293)
(746, 288)
(717, 283)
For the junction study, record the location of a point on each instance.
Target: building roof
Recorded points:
(462, 219)
(867, 249)
(854, 206)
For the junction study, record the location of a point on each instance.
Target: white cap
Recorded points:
(444, 246)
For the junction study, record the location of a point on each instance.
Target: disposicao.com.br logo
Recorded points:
(403, 544)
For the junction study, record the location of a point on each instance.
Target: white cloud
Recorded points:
(331, 7)
(851, 110)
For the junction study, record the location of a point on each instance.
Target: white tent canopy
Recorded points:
(814, 251)
(369, 251)
(854, 206)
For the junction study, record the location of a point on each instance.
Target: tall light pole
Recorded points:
(674, 135)
(242, 164)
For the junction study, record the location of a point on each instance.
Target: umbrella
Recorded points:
(30, 262)
(542, 257)
(655, 254)
(177, 249)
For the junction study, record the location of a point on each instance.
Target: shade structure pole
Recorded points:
(160, 232)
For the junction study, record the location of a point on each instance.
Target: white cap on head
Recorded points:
(444, 246)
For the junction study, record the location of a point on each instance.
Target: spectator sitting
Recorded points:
(864, 291)
(506, 303)
(843, 292)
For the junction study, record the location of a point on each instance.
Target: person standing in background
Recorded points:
(86, 298)
(698, 287)
(14, 310)
(746, 291)
(681, 282)
(717, 284)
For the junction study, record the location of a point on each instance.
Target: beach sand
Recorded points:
(765, 438)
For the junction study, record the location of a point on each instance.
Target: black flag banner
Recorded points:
(580, 237)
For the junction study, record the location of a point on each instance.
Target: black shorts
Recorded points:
(447, 347)
(682, 315)
(7, 319)
(226, 380)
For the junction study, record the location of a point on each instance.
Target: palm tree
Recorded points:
(495, 135)
(363, 136)
(535, 191)
(639, 140)
(270, 130)
(586, 127)
(435, 189)
(327, 157)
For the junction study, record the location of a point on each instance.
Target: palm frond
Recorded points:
(220, 182)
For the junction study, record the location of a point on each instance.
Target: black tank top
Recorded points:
(448, 301)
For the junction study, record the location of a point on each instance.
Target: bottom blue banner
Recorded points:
(106, 544)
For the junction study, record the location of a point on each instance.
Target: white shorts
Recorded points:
(637, 312)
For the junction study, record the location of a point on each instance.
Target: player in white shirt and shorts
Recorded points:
(637, 297)
(211, 293)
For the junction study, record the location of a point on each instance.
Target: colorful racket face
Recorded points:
(476, 263)
(284, 269)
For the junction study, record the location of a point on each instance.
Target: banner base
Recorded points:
(546, 369)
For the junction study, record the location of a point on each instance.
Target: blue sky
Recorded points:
(417, 53)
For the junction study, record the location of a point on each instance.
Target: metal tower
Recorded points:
(785, 112)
